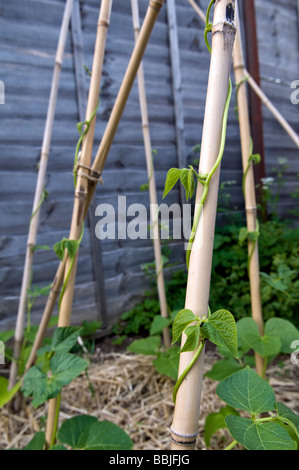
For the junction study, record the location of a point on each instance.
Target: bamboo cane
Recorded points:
(249, 189)
(48, 311)
(185, 423)
(279, 117)
(151, 180)
(31, 240)
(81, 185)
(198, 10)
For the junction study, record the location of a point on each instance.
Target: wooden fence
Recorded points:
(109, 276)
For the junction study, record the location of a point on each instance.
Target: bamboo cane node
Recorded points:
(239, 66)
(250, 210)
(223, 27)
(155, 5)
(81, 194)
(103, 23)
(58, 62)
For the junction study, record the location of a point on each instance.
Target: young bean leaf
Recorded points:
(65, 244)
(192, 340)
(181, 321)
(187, 180)
(220, 329)
(172, 177)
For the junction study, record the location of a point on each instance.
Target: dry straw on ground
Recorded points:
(128, 391)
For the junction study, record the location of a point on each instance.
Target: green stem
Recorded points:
(44, 195)
(87, 124)
(187, 369)
(211, 173)
(248, 166)
(56, 420)
(231, 445)
(279, 418)
(70, 268)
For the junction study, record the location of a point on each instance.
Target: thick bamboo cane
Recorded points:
(151, 181)
(31, 241)
(185, 423)
(82, 174)
(249, 189)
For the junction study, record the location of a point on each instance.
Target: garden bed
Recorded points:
(125, 389)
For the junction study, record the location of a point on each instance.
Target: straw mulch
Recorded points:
(128, 392)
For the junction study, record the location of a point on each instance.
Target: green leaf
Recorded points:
(187, 180)
(58, 447)
(247, 391)
(243, 235)
(223, 368)
(64, 368)
(277, 284)
(192, 340)
(148, 346)
(5, 394)
(284, 330)
(37, 442)
(167, 362)
(259, 436)
(65, 244)
(35, 384)
(87, 433)
(104, 435)
(216, 421)
(250, 338)
(286, 412)
(6, 335)
(173, 175)
(64, 338)
(74, 431)
(40, 247)
(246, 326)
(181, 321)
(158, 324)
(90, 327)
(220, 329)
(265, 345)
